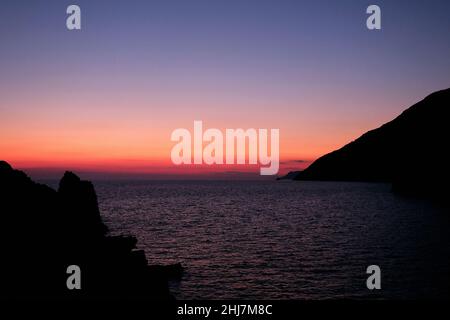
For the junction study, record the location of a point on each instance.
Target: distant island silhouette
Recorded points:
(44, 231)
(410, 152)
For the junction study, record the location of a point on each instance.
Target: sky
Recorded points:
(106, 98)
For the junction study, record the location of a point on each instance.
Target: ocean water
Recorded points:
(284, 240)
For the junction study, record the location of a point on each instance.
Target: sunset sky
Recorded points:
(107, 98)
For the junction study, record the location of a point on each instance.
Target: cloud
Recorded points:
(293, 161)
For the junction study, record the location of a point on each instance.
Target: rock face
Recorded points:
(410, 151)
(44, 231)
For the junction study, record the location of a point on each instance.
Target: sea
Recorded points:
(284, 239)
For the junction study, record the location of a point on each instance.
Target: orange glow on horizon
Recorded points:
(109, 138)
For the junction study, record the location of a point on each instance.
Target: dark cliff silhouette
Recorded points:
(44, 231)
(410, 151)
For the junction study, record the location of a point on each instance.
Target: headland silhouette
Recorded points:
(410, 152)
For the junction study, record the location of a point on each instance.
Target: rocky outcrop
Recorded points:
(43, 231)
